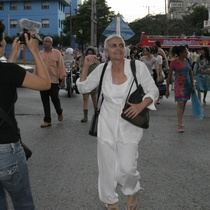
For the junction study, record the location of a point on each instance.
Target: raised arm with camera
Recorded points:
(40, 80)
(29, 36)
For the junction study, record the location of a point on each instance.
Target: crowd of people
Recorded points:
(186, 71)
(118, 140)
(159, 63)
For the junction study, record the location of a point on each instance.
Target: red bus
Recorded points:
(170, 41)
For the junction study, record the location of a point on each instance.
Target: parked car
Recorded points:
(27, 68)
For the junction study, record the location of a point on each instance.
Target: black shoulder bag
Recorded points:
(142, 119)
(94, 120)
(9, 121)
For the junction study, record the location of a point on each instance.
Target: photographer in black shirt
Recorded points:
(14, 177)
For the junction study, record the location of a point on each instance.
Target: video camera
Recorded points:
(28, 25)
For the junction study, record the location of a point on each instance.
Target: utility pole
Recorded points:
(148, 9)
(93, 24)
(70, 24)
(166, 14)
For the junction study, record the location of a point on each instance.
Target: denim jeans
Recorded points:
(14, 177)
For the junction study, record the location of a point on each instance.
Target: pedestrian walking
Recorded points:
(151, 63)
(183, 87)
(202, 74)
(163, 54)
(56, 69)
(117, 145)
(159, 61)
(89, 51)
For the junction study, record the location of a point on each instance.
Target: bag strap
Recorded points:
(133, 69)
(100, 82)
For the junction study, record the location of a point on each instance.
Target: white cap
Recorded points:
(69, 51)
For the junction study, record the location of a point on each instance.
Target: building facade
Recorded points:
(178, 8)
(49, 13)
(70, 10)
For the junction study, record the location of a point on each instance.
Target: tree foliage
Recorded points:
(81, 22)
(150, 24)
(161, 25)
(194, 21)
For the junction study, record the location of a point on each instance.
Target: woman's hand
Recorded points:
(16, 49)
(134, 110)
(159, 79)
(32, 43)
(90, 59)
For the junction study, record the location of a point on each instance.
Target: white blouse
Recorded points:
(111, 126)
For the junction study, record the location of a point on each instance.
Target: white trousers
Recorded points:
(117, 163)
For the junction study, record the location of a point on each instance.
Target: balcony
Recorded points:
(206, 24)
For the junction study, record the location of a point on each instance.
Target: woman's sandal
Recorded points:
(131, 205)
(112, 206)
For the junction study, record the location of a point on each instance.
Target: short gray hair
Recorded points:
(111, 37)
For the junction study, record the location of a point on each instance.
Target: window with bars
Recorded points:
(13, 5)
(1, 6)
(176, 4)
(13, 23)
(45, 5)
(27, 5)
(45, 23)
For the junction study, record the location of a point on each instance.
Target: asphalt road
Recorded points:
(174, 167)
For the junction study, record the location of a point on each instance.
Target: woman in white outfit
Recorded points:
(117, 149)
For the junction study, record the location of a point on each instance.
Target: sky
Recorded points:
(134, 9)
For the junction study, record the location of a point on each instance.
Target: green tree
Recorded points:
(150, 24)
(159, 25)
(81, 22)
(194, 21)
(176, 27)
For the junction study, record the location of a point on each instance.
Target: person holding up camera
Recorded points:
(14, 175)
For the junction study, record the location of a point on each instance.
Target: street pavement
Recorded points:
(174, 167)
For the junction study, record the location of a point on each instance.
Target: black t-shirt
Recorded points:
(11, 77)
